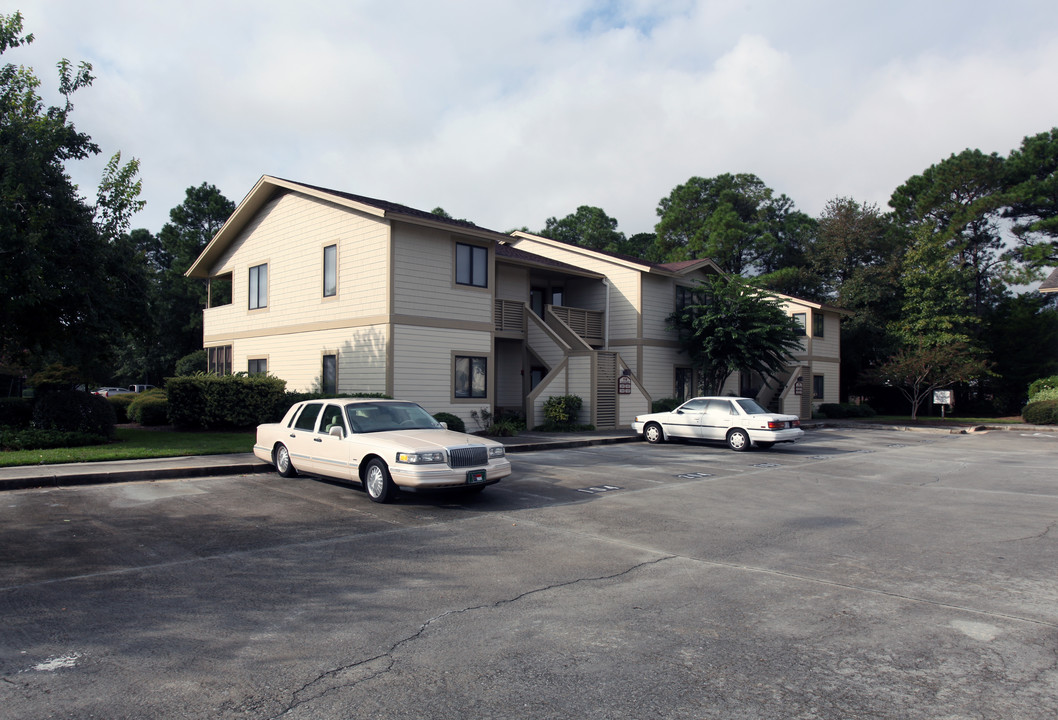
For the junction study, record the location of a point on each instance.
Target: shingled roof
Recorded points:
(1051, 283)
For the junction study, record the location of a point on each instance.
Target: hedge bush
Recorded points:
(74, 411)
(34, 439)
(665, 404)
(1042, 385)
(208, 402)
(16, 412)
(833, 411)
(1044, 412)
(121, 403)
(150, 408)
(562, 409)
(454, 422)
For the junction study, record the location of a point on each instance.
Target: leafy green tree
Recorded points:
(920, 368)
(1021, 337)
(736, 220)
(735, 327)
(69, 280)
(177, 301)
(961, 198)
(588, 227)
(1031, 179)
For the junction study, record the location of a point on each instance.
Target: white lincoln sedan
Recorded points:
(385, 445)
(740, 422)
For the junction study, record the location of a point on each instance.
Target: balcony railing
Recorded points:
(510, 316)
(586, 323)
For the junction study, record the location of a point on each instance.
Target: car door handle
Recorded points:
(317, 439)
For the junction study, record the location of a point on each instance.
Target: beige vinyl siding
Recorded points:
(628, 406)
(298, 357)
(831, 372)
(512, 283)
(295, 268)
(659, 302)
(828, 346)
(657, 374)
(624, 283)
(424, 277)
(423, 367)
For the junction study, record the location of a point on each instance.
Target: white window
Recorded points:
(259, 286)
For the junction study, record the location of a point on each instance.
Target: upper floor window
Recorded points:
(259, 286)
(802, 321)
(472, 265)
(687, 296)
(330, 271)
(817, 324)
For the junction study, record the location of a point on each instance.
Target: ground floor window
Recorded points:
(257, 366)
(817, 387)
(684, 383)
(218, 360)
(329, 376)
(470, 376)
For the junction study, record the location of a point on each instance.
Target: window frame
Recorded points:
(472, 361)
(221, 365)
(331, 249)
(258, 300)
(262, 366)
(818, 324)
(818, 386)
(323, 373)
(802, 321)
(472, 251)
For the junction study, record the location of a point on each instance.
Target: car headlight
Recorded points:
(420, 458)
(497, 452)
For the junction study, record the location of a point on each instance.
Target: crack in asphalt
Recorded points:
(383, 662)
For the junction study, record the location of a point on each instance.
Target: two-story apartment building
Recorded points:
(345, 293)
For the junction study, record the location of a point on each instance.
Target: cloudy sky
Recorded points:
(507, 112)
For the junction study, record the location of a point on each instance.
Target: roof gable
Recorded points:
(384, 210)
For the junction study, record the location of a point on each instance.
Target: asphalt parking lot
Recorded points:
(859, 574)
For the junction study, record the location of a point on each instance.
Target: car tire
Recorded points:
(738, 440)
(653, 433)
(377, 482)
(281, 459)
(765, 445)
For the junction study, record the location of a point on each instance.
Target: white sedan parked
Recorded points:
(737, 421)
(385, 445)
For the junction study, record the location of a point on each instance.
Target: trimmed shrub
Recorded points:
(74, 411)
(121, 403)
(562, 409)
(1044, 412)
(454, 422)
(34, 439)
(1045, 394)
(150, 408)
(1042, 385)
(209, 402)
(192, 364)
(15, 412)
(665, 404)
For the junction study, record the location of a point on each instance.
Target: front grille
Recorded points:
(474, 455)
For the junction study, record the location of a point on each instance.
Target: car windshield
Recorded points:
(751, 407)
(380, 417)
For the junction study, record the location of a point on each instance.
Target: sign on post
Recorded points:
(942, 398)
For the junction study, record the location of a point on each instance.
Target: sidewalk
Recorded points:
(97, 473)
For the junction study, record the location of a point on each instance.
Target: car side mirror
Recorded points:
(443, 424)
(337, 431)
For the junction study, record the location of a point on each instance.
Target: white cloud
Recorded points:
(507, 112)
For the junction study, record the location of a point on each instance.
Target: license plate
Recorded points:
(475, 476)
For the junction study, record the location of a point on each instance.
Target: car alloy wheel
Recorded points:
(284, 466)
(377, 482)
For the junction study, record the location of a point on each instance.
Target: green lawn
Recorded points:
(133, 444)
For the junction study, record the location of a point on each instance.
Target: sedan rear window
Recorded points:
(307, 419)
(751, 407)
